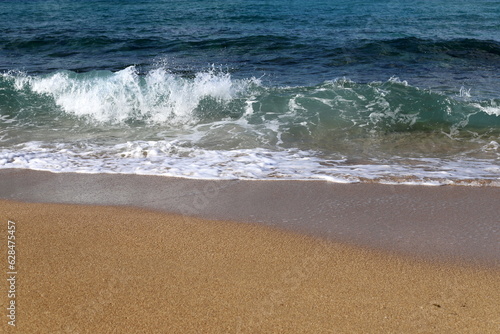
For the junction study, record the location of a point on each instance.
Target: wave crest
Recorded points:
(302, 113)
(124, 96)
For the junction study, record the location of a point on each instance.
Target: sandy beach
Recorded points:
(84, 268)
(250, 167)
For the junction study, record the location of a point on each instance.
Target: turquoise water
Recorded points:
(346, 91)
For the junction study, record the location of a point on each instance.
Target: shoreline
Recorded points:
(446, 223)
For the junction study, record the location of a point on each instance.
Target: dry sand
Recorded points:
(90, 269)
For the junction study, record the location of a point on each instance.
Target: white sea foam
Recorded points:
(159, 96)
(490, 110)
(171, 158)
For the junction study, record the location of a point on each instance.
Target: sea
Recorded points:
(379, 91)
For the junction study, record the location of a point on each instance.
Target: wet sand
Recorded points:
(436, 223)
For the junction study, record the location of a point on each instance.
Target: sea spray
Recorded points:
(107, 97)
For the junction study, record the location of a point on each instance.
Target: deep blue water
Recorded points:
(341, 90)
(430, 43)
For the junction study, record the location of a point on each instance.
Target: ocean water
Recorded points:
(346, 91)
